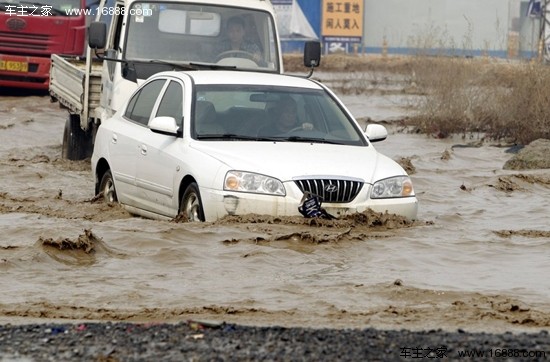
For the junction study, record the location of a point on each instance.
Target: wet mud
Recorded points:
(475, 259)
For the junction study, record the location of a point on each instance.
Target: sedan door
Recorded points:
(159, 170)
(126, 133)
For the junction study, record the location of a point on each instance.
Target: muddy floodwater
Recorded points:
(477, 258)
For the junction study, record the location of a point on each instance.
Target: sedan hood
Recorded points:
(285, 160)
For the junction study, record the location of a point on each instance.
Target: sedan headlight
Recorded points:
(253, 182)
(400, 186)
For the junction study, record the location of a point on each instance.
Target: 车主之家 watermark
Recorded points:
(419, 352)
(29, 10)
(49, 10)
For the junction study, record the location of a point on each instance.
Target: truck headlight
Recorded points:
(399, 186)
(241, 181)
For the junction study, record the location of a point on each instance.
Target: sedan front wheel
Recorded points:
(107, 187)
(191, 204)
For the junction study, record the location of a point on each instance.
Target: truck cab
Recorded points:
(147, 37)
(132, 40)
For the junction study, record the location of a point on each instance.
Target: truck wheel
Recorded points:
(75, 140)
(107, 187)
(191, 204)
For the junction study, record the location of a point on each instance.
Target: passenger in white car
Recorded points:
(206, 119)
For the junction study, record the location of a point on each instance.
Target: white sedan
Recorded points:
(204, 143)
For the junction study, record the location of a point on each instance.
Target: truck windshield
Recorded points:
(41, 7)
(191, 33)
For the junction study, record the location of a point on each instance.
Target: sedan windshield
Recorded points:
(266, 113)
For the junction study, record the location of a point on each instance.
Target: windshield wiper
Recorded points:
(183, 66)
(127, 62)
(235, 137)
(238, 137)
(309, 139)
(188, 66)
(213, 66)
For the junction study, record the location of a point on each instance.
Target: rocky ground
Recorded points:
(196, 341)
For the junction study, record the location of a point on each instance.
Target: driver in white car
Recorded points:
(284, 115)
(235, 45)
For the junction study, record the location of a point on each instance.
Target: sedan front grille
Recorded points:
(331, 190)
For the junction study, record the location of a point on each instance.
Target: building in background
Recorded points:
(295, 27)
(498, 28)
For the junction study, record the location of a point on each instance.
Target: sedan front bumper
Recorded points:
(219, 203)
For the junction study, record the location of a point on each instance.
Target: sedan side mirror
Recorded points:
(376, 132)
(164, 125)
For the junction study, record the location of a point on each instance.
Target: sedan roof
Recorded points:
(246, 78)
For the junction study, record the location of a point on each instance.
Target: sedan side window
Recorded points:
(141, 105)
(171, 104)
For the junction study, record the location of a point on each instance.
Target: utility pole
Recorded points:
(544, 36)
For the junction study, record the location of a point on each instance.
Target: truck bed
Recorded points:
(67, 83)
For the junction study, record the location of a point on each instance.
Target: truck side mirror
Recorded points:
(97, 35)
(312, 54)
